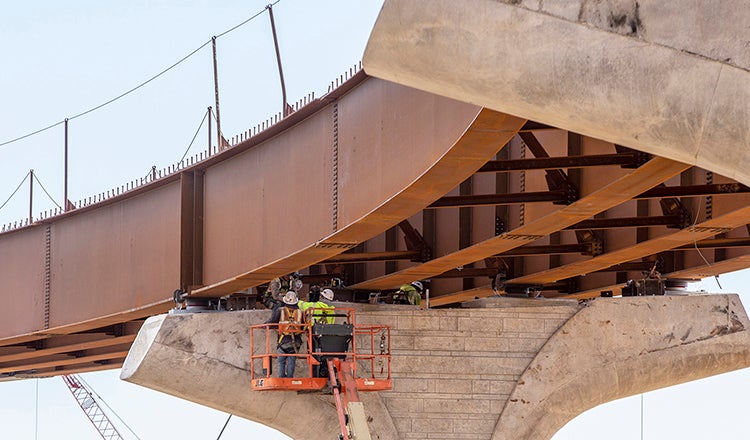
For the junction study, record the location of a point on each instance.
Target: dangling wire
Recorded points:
(205, 115)
(695, 241)
(45, 191)
(15, 191)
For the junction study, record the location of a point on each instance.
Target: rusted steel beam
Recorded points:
(99, 343)
(414, 240)
(364, 217)
(198, 202)
(692, 273)
(546, 163)
(633, 266)
(717, 243)
(656, 171)
(469, 272)
(102, 321)
(187, 235)
(62, 361)
(557, 249)
(363, 257)
(465, 230)
(627, 222)
(694, 190)
(391, 245)
(498, 199)
(557, 179)
(716, 268)
(706, 229)
(533, 125)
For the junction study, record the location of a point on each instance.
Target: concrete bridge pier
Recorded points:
(499, 368)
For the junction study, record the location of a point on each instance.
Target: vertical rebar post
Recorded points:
(31, 196)
(220, 144)
(65, 191)
(284, 106)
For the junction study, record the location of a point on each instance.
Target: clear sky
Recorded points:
(61, 59)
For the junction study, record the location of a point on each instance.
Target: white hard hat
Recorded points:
(327, 294)
(418, 285)
(290, 298)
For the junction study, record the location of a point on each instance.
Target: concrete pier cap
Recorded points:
(498, 368)
(667, 78)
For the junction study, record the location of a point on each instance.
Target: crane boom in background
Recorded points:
(90, 406)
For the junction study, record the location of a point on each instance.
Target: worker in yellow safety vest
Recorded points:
(324, 316)
(409, 294)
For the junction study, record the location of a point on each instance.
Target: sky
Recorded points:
(61, 59)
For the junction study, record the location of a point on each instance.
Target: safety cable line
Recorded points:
(143, 83)
(243, 23)
(31, 134)
(45, 191)
(101, 400)
(15, 191)
(122, 95)
(205, 115)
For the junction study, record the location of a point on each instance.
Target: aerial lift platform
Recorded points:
(343, 358)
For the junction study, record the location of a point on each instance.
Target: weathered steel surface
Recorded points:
(115, 258)
(22, 272)
(303, 217)
(656, 171)
(708, 228)
(329, 177)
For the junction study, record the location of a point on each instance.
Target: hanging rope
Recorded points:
(15, 191)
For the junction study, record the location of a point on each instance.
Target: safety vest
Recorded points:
(290, 322)
(328, 310)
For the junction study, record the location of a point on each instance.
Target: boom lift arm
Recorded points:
(346, 350)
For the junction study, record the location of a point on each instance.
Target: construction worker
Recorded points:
(327, 295)
(409, 294)
(279, 286)
(315, 303)
(290, 327)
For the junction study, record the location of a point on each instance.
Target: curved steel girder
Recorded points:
(397, 149)
(405, 170)
(647, 176)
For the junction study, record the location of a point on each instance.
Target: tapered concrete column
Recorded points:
(501, 368)
(668, 78)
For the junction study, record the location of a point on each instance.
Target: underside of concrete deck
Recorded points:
(499, 368)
